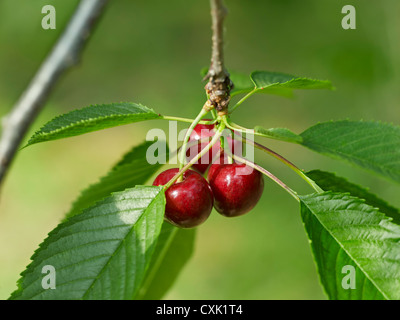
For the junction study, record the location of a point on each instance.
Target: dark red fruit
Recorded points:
(236, 188)
(189, 203)
(206, 132)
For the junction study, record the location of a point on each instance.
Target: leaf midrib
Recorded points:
(160, 259)
(351, 257)
(345, 156)
(118, 248)
(91, 120)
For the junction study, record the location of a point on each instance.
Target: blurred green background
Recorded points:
(152, 52)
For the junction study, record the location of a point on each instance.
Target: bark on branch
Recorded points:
(219, 85)
(65, 54)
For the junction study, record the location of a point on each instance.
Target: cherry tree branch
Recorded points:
(65, 54)
(219, 86)
(218, 14)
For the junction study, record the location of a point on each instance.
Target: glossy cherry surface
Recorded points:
(206, 132)
(189, 203)
(236, 188)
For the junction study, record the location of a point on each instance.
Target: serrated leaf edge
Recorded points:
(69, 221)
(296, 139)
(370, 209)
(294, 78)
(40, 133)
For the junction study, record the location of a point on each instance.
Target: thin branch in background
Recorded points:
(219, 86)
(65, 54)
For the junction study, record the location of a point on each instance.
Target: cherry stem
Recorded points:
(234, 126)
(268, 174)
(215, 139)
(242, 100)
(286, 162)
(189, 145)
(222, 142)
(187, 120)
(182, 155)
(230, 159)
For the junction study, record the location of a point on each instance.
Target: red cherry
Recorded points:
(204, 131)
(236, 188)
(189, 203)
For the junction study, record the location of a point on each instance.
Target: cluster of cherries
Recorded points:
(232, 188)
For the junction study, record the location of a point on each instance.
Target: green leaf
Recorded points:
(102, 253)
(344, 231)
(132, 170)
(276, 83)
(371, 145)
(283, 84)
(330, 182)
(174, 248)
(278, 134)
(91, 119)
(242, 83)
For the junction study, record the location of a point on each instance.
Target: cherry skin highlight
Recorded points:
(189, 203)
(235, 192)
(206, 132)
